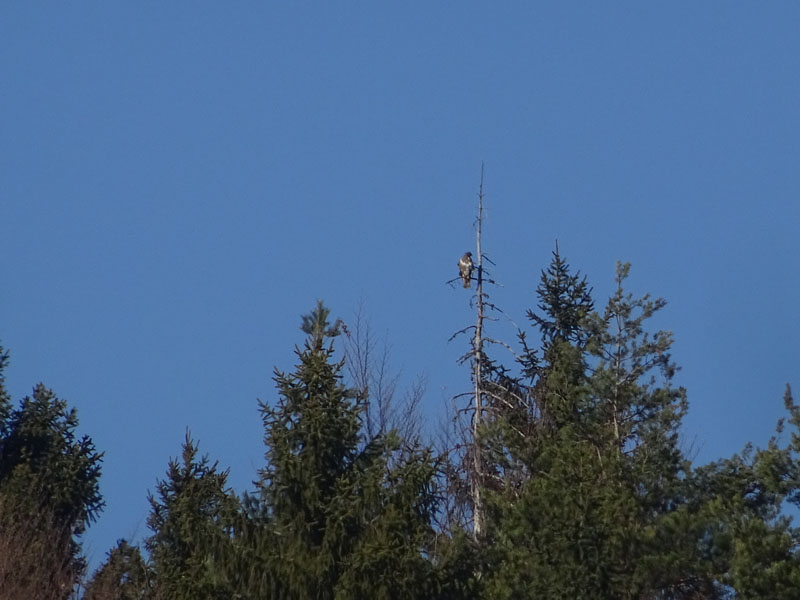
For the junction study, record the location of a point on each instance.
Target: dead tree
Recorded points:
(495, 396)
(474, 459)
(477, 365)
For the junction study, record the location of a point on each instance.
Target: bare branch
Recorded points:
(369, 368)
(460, 331)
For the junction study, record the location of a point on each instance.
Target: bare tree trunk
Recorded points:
(477, 417)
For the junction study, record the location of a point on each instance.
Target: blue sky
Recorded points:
(180, 181)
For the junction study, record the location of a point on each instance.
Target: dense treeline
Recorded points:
(585, 490)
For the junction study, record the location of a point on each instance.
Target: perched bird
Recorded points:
(465, 268)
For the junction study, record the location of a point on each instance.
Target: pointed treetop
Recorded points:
(316, 324)
(565, 300)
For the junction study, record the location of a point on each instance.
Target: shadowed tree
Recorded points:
(48, 484)
(123, 576)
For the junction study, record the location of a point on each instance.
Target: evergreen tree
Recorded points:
(42, 459)
(565, 300)
(123, 576)
(633, 408)
(598, 456)
(49, 479)
(734, 511)
(191, 518)
(337, 514)
(604, 503)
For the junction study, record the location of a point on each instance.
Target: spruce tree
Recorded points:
(49, 483)
(565, 300)
(124, 575)
(734, 509)
(604, 503)
(41, 458)
(192, 515)
(599, 457)
(336, 513)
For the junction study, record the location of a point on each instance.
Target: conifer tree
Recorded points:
(124, 575)
(734, 511)
(565, 300)
(42, 459)
(633, 406)
(599, 456)
(191, 518)
(49, 481)
(606, 505)
(337, 514)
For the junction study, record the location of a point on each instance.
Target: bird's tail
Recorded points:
(466, 282)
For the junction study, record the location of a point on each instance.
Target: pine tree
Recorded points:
(49, 482)
(124, 575)
(42, 459)
(598, 457)
(336, 514)
(191, 517)
(565, 300)
(734, 511)
(635, 410)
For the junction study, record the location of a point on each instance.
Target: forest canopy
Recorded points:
(564, 477)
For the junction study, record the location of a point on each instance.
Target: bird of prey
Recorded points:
(465, 268)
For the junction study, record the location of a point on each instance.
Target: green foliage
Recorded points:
(42, 459)
(604, 503)
(315, 324)
(564, 301)
(123, 576)
(599, 458)
(586, 491)
(634, 410)
(337, 514)
(191, 518)
(749, 544)
(49, 478)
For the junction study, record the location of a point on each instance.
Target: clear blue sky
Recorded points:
(179, 181)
